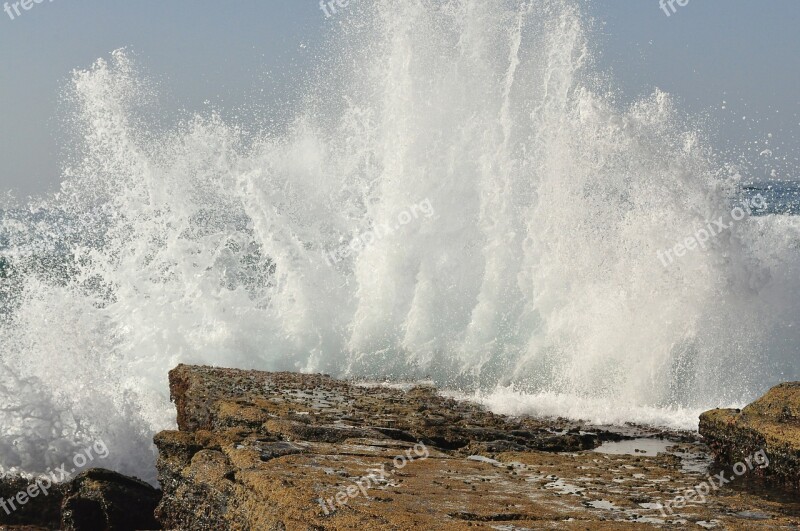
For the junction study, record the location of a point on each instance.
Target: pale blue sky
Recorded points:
(746, 52)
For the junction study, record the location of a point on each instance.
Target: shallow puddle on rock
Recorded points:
(602, 504)
(649, 447)
(694, 459)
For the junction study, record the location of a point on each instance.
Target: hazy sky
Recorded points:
(744, 52)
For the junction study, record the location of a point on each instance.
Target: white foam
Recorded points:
(596, 410)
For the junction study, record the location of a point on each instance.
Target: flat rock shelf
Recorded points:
(283, 451)
(258, 450)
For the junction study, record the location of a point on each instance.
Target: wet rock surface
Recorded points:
(38, 511)
(771, 424)
(94, 500)
(258, 450)
(100, 499)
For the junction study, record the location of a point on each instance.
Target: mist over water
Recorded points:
(534, 285)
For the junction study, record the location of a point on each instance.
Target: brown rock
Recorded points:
(43, 510)
(100, 499)
(94, 500)
(770, 424)
(275, 451)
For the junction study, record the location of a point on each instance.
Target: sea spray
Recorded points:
(535, 286)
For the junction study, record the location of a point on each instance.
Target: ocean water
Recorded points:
(458, 198)
(780, 197)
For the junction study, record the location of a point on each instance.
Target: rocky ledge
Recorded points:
(770, 425)
(280, 451)
(94, 500)
(274, 451)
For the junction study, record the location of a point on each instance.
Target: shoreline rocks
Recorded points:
(770, 424)
(95, 499)
(100, 499)
(284, 451)
(275, 451)
(233, 424)
(39, 511)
